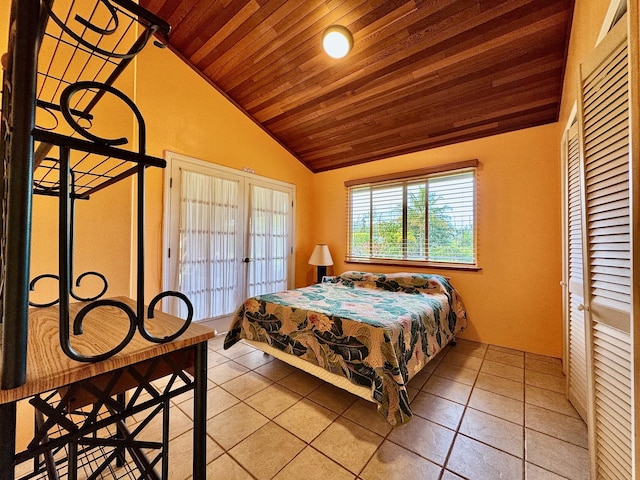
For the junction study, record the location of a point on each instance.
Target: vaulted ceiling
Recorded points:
(422, 73)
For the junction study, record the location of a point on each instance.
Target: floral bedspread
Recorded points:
(377, 330)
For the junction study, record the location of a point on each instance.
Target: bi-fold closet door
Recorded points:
(607, 234)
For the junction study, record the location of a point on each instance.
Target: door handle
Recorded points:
(582, 307)
(247, 259)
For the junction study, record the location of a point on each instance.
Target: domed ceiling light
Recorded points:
(337, 41)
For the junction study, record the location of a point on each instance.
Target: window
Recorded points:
(419, 216)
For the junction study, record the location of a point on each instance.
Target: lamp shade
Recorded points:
(321, 255)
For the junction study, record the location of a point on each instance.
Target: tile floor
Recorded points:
(480, 412)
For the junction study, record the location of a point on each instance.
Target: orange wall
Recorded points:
(588, 17)
(515, 300)
(186, 115)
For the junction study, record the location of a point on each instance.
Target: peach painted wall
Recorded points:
(184, 114)
(515, 300)
(588, 17)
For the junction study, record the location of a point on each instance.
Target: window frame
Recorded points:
(403, 179)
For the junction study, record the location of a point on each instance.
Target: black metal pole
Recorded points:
(200, 413)
(7, 440)
(23, 71)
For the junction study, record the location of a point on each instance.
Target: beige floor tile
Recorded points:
(469, 347)
(504, 357)
(543, 358)
(449, 389)
(180, 423)
(542, 366)
(438, 410)
(392, 462)
(301, 382)
(419, 379)
(497, 405)
(332, 397)
(447, 475)
(503, 370)
(494, 431)
(312, 465)
(560, 457)
(218, 400)
(366, 415)
(181, 455)
(462, 360)
(266, 451)
(246, 385)
(500, 385)
(348, 443)
(478, 461)
(273, 400)
(510, 351)
(237, 350)
(234, 425)
(214, 358)
(456, 373)
(542, 380)
(225, 371)
(275, 370)
(433, 363)
(217, 342)
(533, 472)
(188, 395)
(225, 467)
(549, 400)
(413, 392)
(424, 438)
(564, 427)
(254, 359)
(306, 419)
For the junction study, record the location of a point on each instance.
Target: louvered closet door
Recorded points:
(577, 359)
(605, 116)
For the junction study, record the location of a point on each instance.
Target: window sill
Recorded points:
(409, 263)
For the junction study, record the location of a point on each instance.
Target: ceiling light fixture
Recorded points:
(337, 41)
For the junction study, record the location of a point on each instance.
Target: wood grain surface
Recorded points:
(48, 367)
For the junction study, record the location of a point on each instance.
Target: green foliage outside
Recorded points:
(448, 242)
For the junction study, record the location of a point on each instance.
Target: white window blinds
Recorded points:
(424, 218)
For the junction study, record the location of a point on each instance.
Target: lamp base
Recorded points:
(322, 271)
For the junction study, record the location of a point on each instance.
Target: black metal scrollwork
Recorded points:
(114, 14)
(77, 329)
(150, 314)
(65, 189)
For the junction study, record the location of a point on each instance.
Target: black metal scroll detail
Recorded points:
(66, 191)
(150, 314)
(77, 329)
(32, 287)
(145, 36)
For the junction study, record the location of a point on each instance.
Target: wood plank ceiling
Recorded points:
(421, 74)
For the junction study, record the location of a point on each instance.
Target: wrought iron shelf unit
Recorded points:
(58, 74)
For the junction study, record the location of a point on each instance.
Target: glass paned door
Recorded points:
(228, 235)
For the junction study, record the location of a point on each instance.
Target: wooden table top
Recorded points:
(48, 367)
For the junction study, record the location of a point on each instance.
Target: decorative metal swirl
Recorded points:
(150, 314)
(77, 329)
(67, 112)
(137, 48)
(32, 287)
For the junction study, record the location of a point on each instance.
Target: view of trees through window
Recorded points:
(395, 222)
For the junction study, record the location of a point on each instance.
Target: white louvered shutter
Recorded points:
(605, 114)
(577, 359)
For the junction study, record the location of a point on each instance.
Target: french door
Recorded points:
(228, 235)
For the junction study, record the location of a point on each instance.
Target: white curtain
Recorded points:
(208, 265)
(268, 240)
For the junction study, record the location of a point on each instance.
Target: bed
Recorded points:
(372, 331)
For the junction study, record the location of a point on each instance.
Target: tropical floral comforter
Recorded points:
(377, 330)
